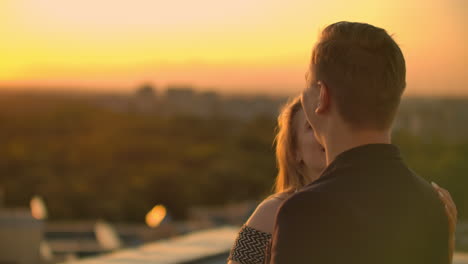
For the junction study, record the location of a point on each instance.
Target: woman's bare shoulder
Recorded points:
(263, 218)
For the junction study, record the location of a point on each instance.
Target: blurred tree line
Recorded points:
(88, 161)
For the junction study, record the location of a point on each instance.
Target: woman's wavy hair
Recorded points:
(290, 176)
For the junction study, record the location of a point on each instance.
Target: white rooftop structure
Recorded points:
(20, 236)
(194, 246)
(189, 248)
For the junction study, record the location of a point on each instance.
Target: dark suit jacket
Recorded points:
(366, 208)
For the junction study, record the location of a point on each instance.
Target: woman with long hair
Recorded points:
(300, 160)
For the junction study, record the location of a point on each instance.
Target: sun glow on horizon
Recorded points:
(262, 45)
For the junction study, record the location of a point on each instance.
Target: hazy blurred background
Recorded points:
(110, 108)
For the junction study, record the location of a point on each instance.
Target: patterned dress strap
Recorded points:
(250, 246)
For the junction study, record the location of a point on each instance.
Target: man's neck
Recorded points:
(346, 139)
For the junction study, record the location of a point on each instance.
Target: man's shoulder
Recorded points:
(310, 198)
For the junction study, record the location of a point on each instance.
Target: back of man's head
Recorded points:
(364, 70)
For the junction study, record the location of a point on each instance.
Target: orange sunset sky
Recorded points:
(242, 46)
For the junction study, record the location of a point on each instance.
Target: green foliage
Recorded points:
(88, 161)
(440, 161)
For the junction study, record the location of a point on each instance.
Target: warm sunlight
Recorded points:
(249, 46)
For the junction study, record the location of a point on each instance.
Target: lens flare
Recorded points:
(156, 216)
(38, 208)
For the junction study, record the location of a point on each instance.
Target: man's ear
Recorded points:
(324, 99)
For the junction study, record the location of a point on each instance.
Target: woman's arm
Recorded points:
(451, 211)
(262, 219)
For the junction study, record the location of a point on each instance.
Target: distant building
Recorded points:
(179, 94)
(145, 99)
(146, 91)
